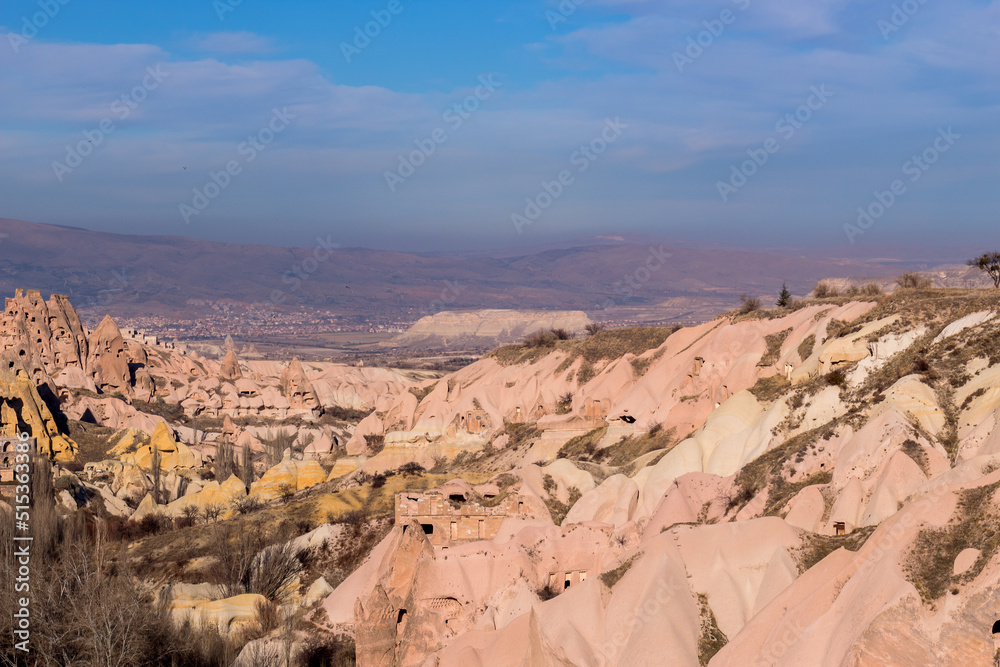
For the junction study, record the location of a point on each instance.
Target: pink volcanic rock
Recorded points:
(107, 362)
(686, 498)
(613, 502)
(230, 367)
(49, 332)
(806, 509)
(842, 603)
(297, 389)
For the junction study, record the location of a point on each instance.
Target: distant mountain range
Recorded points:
(131, 275)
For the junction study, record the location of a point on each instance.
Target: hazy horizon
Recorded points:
(292, 118)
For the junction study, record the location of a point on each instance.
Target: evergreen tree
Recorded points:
(785, 298)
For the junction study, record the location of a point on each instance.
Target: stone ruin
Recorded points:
(448, 519)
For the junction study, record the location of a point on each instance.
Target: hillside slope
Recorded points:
(714, 512)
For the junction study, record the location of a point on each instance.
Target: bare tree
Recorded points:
(223, 466)
(247, 474)
(988, 263)
(155, 464)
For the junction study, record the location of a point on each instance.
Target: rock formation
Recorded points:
(486, 328)
(297, 388)
(23, 410)
(107, 361)
(230, 368)
(49, 332)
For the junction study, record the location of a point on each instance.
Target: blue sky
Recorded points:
(644, 124)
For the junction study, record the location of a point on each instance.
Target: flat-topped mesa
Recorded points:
(230, 368)
(298, 389)
(48, 332)
(107, 362)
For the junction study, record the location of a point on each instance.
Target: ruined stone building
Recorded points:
(8, 452)
(447, 519)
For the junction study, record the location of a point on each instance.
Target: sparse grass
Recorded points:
(605, 344)
(422, 393)
(916, 452)
(641, 365)
(612, 577)
(817, 547)
(768, 468)
(519, 433)
(774, 342)
(782, 491)
(557, 509)
(711, 640)
(976, 524)
(92, 441)
(584, 447)
(806, 346)
(770, 388)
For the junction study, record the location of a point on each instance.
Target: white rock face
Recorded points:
(488, 327)
(973, 320)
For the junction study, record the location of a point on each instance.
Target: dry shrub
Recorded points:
(825, 290)
(910, 280)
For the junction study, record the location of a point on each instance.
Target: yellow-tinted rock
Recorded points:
(173, 454)
(287, 475)
(228, 614)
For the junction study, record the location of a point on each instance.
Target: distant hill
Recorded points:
(129, 275)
